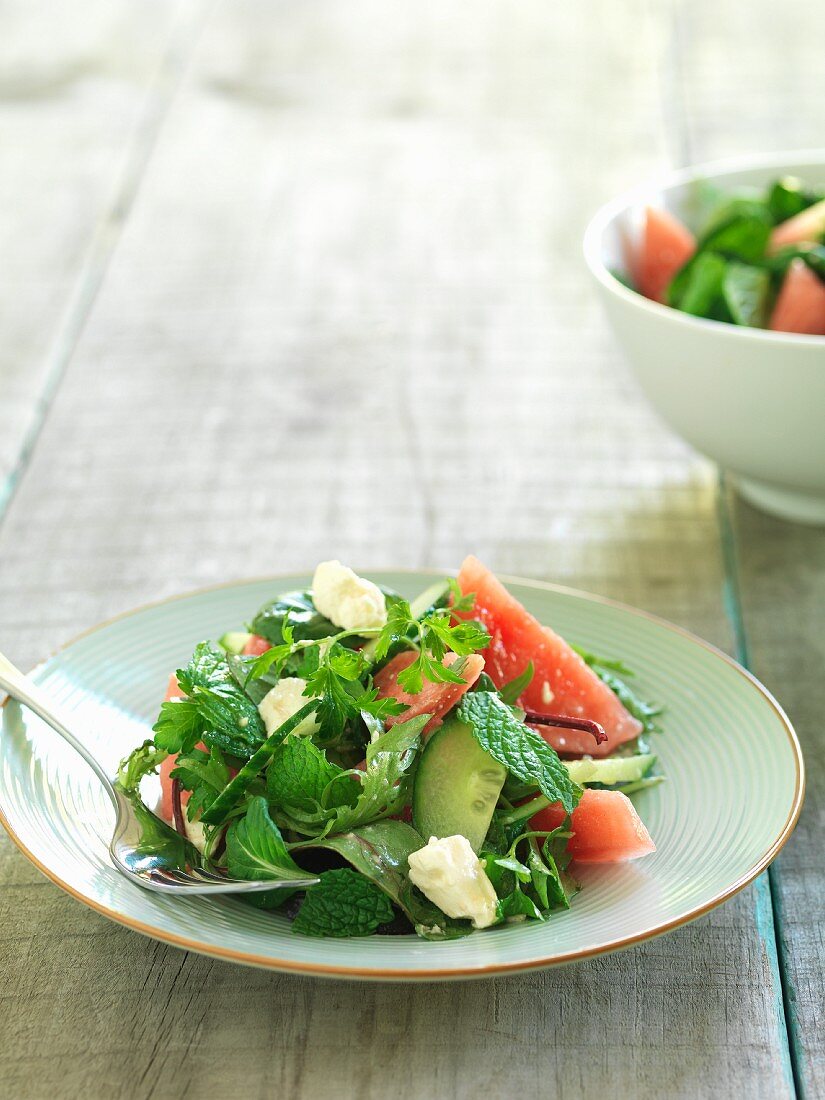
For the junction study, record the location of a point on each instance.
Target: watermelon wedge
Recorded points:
(800, 306)
(562, 683)
(666, 246)
(256, 646)
(434, 699)
(806, 227)
(606, 828)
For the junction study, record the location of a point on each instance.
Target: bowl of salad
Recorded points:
(713, 279)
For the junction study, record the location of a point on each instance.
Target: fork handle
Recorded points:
(26, 691)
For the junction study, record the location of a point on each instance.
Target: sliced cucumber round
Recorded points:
(610, 770)
(456, 786)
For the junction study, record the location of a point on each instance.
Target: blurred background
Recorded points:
(300, 279)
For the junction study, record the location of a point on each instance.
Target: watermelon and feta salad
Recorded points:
(752, 258)
(439, 765)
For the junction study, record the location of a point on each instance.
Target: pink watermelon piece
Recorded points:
(256, 646)
(434, 699)
(562, 683)
(606, 828)
(800, 306)
(173, 691)
(806, 227)
(666, 246)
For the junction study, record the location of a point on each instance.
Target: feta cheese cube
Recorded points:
(284, 700)
(452, 876)
(346, 599)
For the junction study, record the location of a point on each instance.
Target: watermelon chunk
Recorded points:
(562, 683)
(434, 699)
(806, 227)
(800, 306)
(606, 828)
(256, 646)
(666, 246)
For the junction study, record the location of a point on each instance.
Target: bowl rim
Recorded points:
(664, 181)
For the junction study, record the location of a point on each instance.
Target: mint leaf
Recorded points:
(216, 711)
(518, 904)
(300, 777)
(521, 750)
(385, 785)
(235, 789)
(141, 761)
(204, 774)
(296, 612)
(255, 848)
(344, 903)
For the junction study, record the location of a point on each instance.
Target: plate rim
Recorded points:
(323, 970)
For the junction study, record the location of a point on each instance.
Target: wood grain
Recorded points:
(346, 316)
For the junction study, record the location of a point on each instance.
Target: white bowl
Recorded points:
(752, 400)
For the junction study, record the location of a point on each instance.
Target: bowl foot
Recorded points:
(784, 503)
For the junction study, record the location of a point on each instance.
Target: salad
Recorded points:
(757, 258)
(440, 765)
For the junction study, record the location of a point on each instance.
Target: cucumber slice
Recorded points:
(456, 786)
(234, 641)
(617, 769)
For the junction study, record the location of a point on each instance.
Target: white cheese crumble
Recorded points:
(452, 876)
(284, 700)
(346, 599)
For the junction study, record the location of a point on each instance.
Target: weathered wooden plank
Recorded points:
(345, 318)
(771, 98)
(782, 585)
(78, 107)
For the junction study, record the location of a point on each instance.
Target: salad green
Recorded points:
(382, 757)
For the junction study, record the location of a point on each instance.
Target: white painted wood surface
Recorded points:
(345, 314)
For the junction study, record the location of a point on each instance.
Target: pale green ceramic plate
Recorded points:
(733, 794)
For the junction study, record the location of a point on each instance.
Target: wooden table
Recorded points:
(301, 279)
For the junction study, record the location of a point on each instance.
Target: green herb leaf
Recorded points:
(747, 290)
(294, 613)
(518, 904)
(698, 287)
(521, 750)
(614, 674)
(204, 774)
(301, 778)
(232, 793)
(141, 761)
(179, 725)
(344, 903)
(788, 197)
(511, 691)
(255, 848)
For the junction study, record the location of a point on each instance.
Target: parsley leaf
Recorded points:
(433, 636)
(141, 761)
(521, 750)
(255, 848)
(510, 692)
(344, 903)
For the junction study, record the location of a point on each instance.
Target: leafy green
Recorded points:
(255, 848)
(743, 235)
(141, 761)
(301, 778)
(812, 254)
(746, 290)
(385, 784)
(432, 636)
(216, 711)
(204, 774)
(296, 612)
(697, 288)
(344, 903)
(518, 904)
(615, 675)
(235, 789)
(381, 853)
(788, 197)
(511, 691)
(521, 750)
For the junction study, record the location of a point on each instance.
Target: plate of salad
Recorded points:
(485, 774)
(749, 256)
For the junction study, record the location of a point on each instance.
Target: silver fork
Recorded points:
(143, 848)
